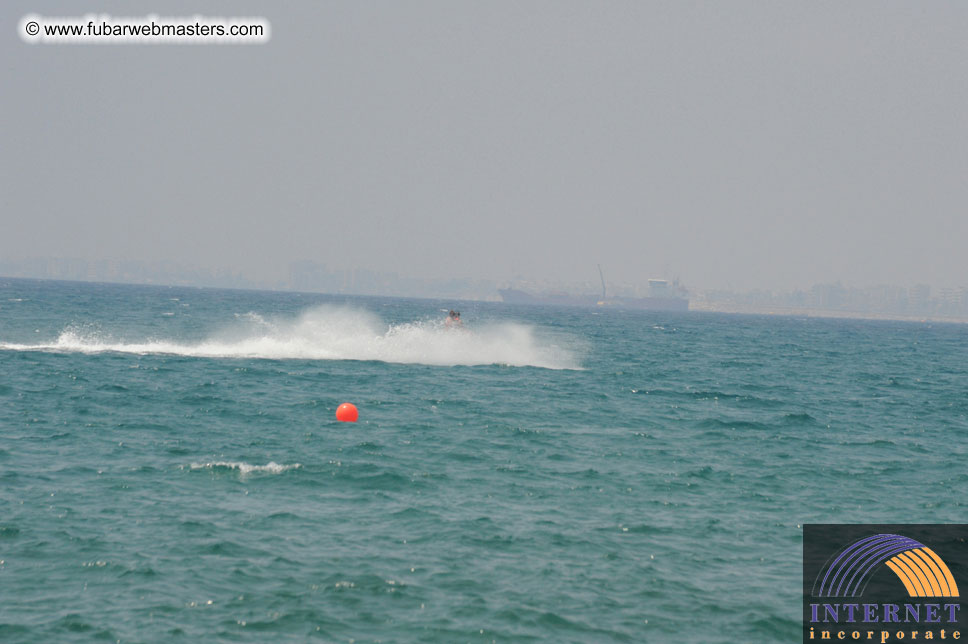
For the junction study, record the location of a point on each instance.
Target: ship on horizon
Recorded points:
(663, 296)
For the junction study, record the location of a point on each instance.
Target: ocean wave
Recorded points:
(246, 468)
(327, 333)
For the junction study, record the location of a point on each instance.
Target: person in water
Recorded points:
(453, 318)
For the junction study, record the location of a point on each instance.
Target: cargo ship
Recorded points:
(663, 296)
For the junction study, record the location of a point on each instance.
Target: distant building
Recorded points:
(919, 298)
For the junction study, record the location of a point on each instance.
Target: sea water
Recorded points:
(171, 469)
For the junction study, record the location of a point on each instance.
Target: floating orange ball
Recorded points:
(347, 413)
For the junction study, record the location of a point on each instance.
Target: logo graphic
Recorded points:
(883, 583)
(919, 568)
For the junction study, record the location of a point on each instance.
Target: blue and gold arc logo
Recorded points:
(922, 572)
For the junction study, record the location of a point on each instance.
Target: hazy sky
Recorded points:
(735, 144)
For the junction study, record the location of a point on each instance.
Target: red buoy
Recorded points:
(347, 413)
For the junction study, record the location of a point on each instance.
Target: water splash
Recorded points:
(328, 333)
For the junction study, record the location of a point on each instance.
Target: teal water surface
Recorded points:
(171, 469)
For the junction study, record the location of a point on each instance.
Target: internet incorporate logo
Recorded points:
(909, 590)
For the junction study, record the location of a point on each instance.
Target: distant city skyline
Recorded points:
(872, 300)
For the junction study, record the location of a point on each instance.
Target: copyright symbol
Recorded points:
(32, 28)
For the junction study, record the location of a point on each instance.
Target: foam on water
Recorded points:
(328, 333)
(246, 468)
